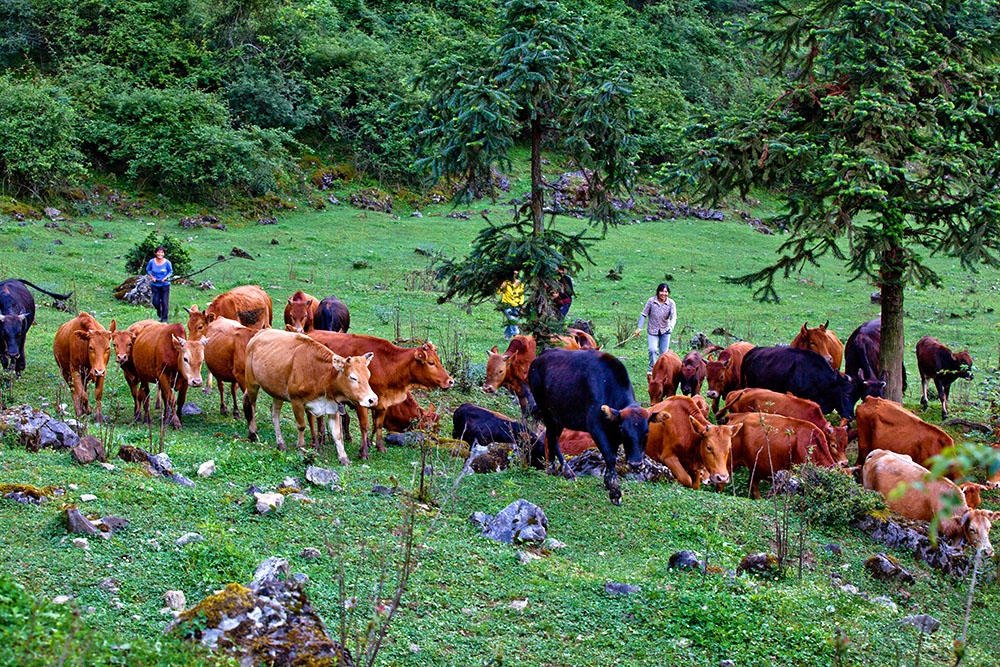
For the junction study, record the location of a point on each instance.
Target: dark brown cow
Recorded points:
(226, 355)
(665, 377)
(861, 353)
(394, 370)
(82, 348)
(692, 373)
(936, 362)
(408, 415)
(299, 312)
(884, 424)
(510, 369)
(822, 341)
(162, 355)
(723, 376)
(687, 444)
(769, 443)
(249, 305)
(198, 322)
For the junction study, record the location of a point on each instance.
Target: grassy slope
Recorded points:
(458, 609)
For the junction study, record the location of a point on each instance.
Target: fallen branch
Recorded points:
(965, 423)
(236, 252)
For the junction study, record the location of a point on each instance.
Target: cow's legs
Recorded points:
(923, 391)
(610, 452)
(232, 390)
(79, 392)
(680, 474)
(182, 393)
(276, 404)
(167, 401)
(223, 410)
(336, 432)
(98, 395)
(380, 414)
(554, 453)
(250, 410)
(942, 390)
(363, 427)
(299, 412)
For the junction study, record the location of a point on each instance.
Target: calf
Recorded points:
(821, 341)
(297, 369)
(408, 415)
(332, 315)
(687, 444)
(226, 355)
(936, 362)
(510, 369)
(82, 348)
(590, 391)
(723, 375)
(802, 373)
(692, 373)
(665, 377)
(161, 354)
(884, 424)
(300, 311)
(923, 498)
(249, 304)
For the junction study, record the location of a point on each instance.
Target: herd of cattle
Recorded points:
(768, 403)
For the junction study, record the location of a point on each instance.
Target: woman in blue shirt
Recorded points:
(160, 270)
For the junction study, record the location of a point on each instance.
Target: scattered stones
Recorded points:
(922, 622)
(268, 501)
(527, 556)
(850, 589)
(591, 462)
(553, 543)
(52, 213)
(78, 524)
(379, 490)
(310, 553)
(416, 214)
(686, 560)
(519, 605)
(272, 568)
(887, 568)
(759, 563)
(267, 220)
(833, 548)
(206, 285)
(37, 430)
(207, 469)
(112, 524)
(727, 663)
(188, 538)
(61, 599)
(484, 459)
(205, 221)
(322, 476)
(884, 601)
(290, 483)
(372, 199)
(191, 410)
(107, 466)
(944, 557)
(88, 498)
(521, 521)
(81, 543)
(88, 450)
(136, 290)
(25, 493)
(160, 464)
(612, 588)
(175, 600)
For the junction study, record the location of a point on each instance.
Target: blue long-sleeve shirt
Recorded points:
(161, 273)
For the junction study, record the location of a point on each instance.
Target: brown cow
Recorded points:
(226, 355)
(575, 339)
(394, 370)
(684, 441)
(248, 304)
(723, 376)
(299, 312)
(924, 498)
(884, 424)
(936, 362)
(122, 341)
(789, 405)
(408, 415)
(574, 443)
(295, 368)
(162, 355)
(510, 369)
(692, 373)
(822, 341)
(82, 348)
(198, 322)
(665, 377)
(973, 494)
(769, 443)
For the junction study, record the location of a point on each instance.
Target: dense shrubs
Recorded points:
(137, 258)
(831, 497)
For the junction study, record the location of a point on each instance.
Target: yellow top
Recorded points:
(511, 293)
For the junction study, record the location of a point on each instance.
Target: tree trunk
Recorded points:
(537, 194)
(892, 347)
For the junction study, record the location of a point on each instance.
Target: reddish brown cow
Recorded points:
(394, 370)
(408, 415)
(822, 341)
(789, 405)
(769, 443)
(692, 373)
(923, 498)
(122, 341)
(82, 348)
(884, 424)
(226, 355)
(684, 441)
(665, 377)
(575, 339)
(936, 362)
(299, 312)
(573, 443)
(724, 375)
(198, 322)
(510, 369)
(162, 355)
(249, 305)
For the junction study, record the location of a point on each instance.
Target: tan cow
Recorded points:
(249, 305)
(510, 369)
(225, 356)
(686, 443)
(924, 498)
(82, 348)
(295, 368)
(299, 312)
(162, 355)
(822, 341)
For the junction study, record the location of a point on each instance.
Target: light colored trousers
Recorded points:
(658, 344)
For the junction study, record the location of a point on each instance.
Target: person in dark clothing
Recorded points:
(564, 297)
(160, 270)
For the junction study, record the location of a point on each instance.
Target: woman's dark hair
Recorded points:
(662, 286)
(159, 248)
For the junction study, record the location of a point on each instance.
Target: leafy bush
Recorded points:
(831, 497)
(137, 258)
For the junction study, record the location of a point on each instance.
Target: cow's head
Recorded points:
(98, 348)
(428, 419)
(12, 329)
(714, 448)
(351, 375)
(869, 387)
(122, 340)
(846, 393)
(633, 422)
(692, 371)
(716, 373)
(428, 371)
(973, 494)
(976, 526)
(964, 360)
(299, 314)
(496, 370)
(198, 322)
(837, 439)
(190, 355)
(815, 340)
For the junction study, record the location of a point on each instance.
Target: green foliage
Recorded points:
(139, 255)
(831, 497)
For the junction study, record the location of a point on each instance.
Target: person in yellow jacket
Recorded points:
(511, 294)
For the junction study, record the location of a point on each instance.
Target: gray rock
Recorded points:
(553, 543)
(686, 560)
(727, 663)
(521, 521)
(190, 409)
(850, 589)
(833, 548)
(162, 463)
(950, 560)
(67, 437)
(178, 478)
(174, 600)
(268, 501)
(886, 568)
(187, 538)
(310, 553)
(272, 568)
(301, 579)
(113, 524)
(526, 557)
(322, 476)
(88, 450)
(290, 483)
(922, 622)
(612, 588)
(78, 524)
(139, 293)
(758, 563)
(379, 490)
(884, 601)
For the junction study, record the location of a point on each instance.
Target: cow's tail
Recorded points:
(725, 408)
(61, 297)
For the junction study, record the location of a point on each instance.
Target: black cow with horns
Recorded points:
(17, 314)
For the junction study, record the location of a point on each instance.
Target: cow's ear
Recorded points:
(368, 356)
(421, 355)
(698, 427)
(725, 364)
(210, 317)
(178, 342)
(83, 335)
(495, 350)
(506, 357)
(805, 328)
(338, 363)
(861, 375)
(659, 417)
(612, 415)
(114, 327)
(736, 428)
(308, 301)
(289, 327)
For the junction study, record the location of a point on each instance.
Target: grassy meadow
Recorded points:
(458, 608)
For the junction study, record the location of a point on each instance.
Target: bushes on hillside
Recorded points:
(139, 255)
(831, 497)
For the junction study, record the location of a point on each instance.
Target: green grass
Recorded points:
(457, 610)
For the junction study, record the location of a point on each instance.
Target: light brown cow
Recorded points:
(687, 444)
(822, 341)
(225, 356)
(769, 443)
(723, 376)
(665, 377)
(510, 369)
(884, 424)
(924, 498)
(295, 368)
(299, 312)
(575, 339)
(198, 322)
(249, 305)
(82, 348)
(973, 493)
(162, 355)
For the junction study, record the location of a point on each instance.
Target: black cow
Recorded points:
(17, 314)
(805, 374)
(861, 353)
(936, 362)
(589, 390)
(332, 315)
(476, 424)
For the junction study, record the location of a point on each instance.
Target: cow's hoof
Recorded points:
(345, 461)
(380, 447)
(568, 473)
(224, 412)
(363, 454)
(616, 498)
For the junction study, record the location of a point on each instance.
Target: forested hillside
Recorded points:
(198, 97)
